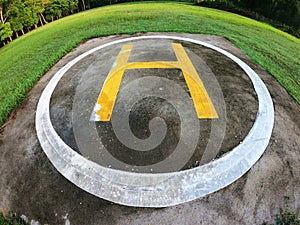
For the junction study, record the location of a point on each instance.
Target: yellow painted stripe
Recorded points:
(110, 89)
(201, 99)
(152, 65)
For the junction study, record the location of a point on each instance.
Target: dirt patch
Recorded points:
(30, 185)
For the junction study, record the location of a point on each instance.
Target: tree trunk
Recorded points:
(3, 20)
(1, 15)
(41, 22)
(22, 31)
(35, 26)
(17, 35)
(10, 39)
(83, 5)
(43, 19)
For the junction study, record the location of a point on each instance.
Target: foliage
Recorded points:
(26, 59)
(24, 15)
(230, 7)
(286, 217)
(58, 8)
(16, 15)
(285, 11)
(5, 31)
(12, 219)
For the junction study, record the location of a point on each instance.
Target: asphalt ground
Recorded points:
(77, 92)
(30, 185)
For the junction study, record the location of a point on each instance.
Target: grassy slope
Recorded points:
(25, 60)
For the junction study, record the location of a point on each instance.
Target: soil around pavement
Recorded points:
(30, 185)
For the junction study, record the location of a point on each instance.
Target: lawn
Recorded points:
(26, 59)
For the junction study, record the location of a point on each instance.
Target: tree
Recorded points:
(55, 9)
(73, 6)
(1, 13)
(45, 3)
(3, 9)
(286, 11)
(5, 32)
(15, 13)
(33, 10)
(28, 18)
(81, 5)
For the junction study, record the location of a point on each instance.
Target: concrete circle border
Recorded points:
(168, 189)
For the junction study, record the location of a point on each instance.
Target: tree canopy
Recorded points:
(20, 16)
(284, 11)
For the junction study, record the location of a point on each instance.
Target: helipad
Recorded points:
(154, 121)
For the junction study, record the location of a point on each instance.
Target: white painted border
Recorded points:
(168, 189)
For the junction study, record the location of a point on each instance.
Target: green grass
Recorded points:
(26, 59)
